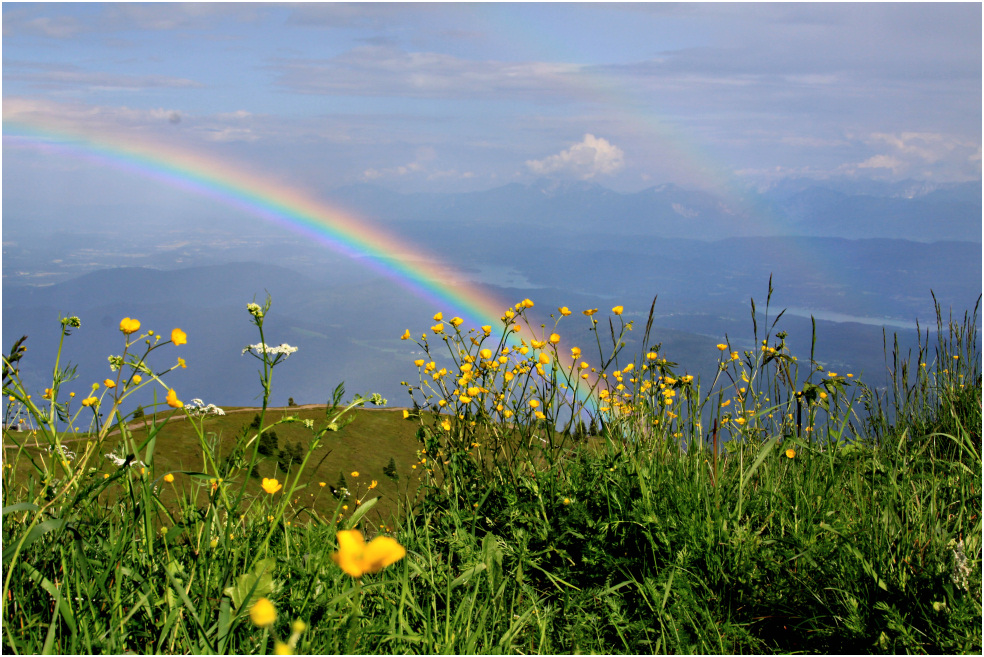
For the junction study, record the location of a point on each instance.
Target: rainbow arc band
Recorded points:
(420, 273)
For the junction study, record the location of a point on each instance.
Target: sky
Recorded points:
(463, 97)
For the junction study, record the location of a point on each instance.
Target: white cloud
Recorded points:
(926, 154)
(591, 157)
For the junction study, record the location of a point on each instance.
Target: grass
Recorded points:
(772, 510)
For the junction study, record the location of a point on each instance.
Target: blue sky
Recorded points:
(455, 97)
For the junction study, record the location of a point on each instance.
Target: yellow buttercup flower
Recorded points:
(181, 363)
(271, 485)
(109, 383)
(485, 353)
(419, 362)
(129, 326)
(790, 452)
(589, 313)
(446, 425)
(179, 337)
(263, 613)
(90, 401)
(456, 321)
(438, 328)
(564, 310)
(544, 359)
(406, 414)
(526, 303)
(406, 335)
(438, 317)
(172, 399)
(618, 310)
(575, 352)
(281, 648)
(534, 403)
(554, 338)
(355, 473)
(487, 329)
(722, 347)
(169, 478)
(356, 558)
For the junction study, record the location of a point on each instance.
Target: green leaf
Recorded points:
(252, 586)
(36, 533)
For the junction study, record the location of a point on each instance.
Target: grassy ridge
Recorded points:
(834, 518)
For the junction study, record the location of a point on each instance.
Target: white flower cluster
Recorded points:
(283, 350)
(198, 408)
(255, 310)
(120, 461)
(961, 573)
(62, 451)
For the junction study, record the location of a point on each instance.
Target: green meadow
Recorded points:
(538, 497)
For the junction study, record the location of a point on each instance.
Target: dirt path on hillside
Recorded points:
(177, 418)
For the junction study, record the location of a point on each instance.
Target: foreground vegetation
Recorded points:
(550, 502)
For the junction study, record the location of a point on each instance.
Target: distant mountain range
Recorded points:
(863, 254)
(909, 210)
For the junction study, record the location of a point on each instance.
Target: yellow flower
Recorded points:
(169, 477)
(554, 338)
(790, 452)
(271, 485)
(129, 326)
(722, 347)
(485, 353)
(567, 501)
(589, 313)
(534, 403)
(544, 359)
(564, 310)
(526, 303)
(90, 401)
(109, 383)
(214, 543)
(438, 328)
(539, 415)
(456, 322)
(575, 352)
(487, 329)
(322, 484)
(438, 317)
(178, 337)
(356, 558)
(355, 473)
(406, 414)
(823, 395)
(406, 335)
(373, 484)
(446, 425)
(281, 648)
(618, 310)
(263, 613)
(419, 362)
(181, 362)
(137, 378)
(172, 399)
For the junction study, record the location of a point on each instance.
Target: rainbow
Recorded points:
(420, 273)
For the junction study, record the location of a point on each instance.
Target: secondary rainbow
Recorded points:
(420, 273)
